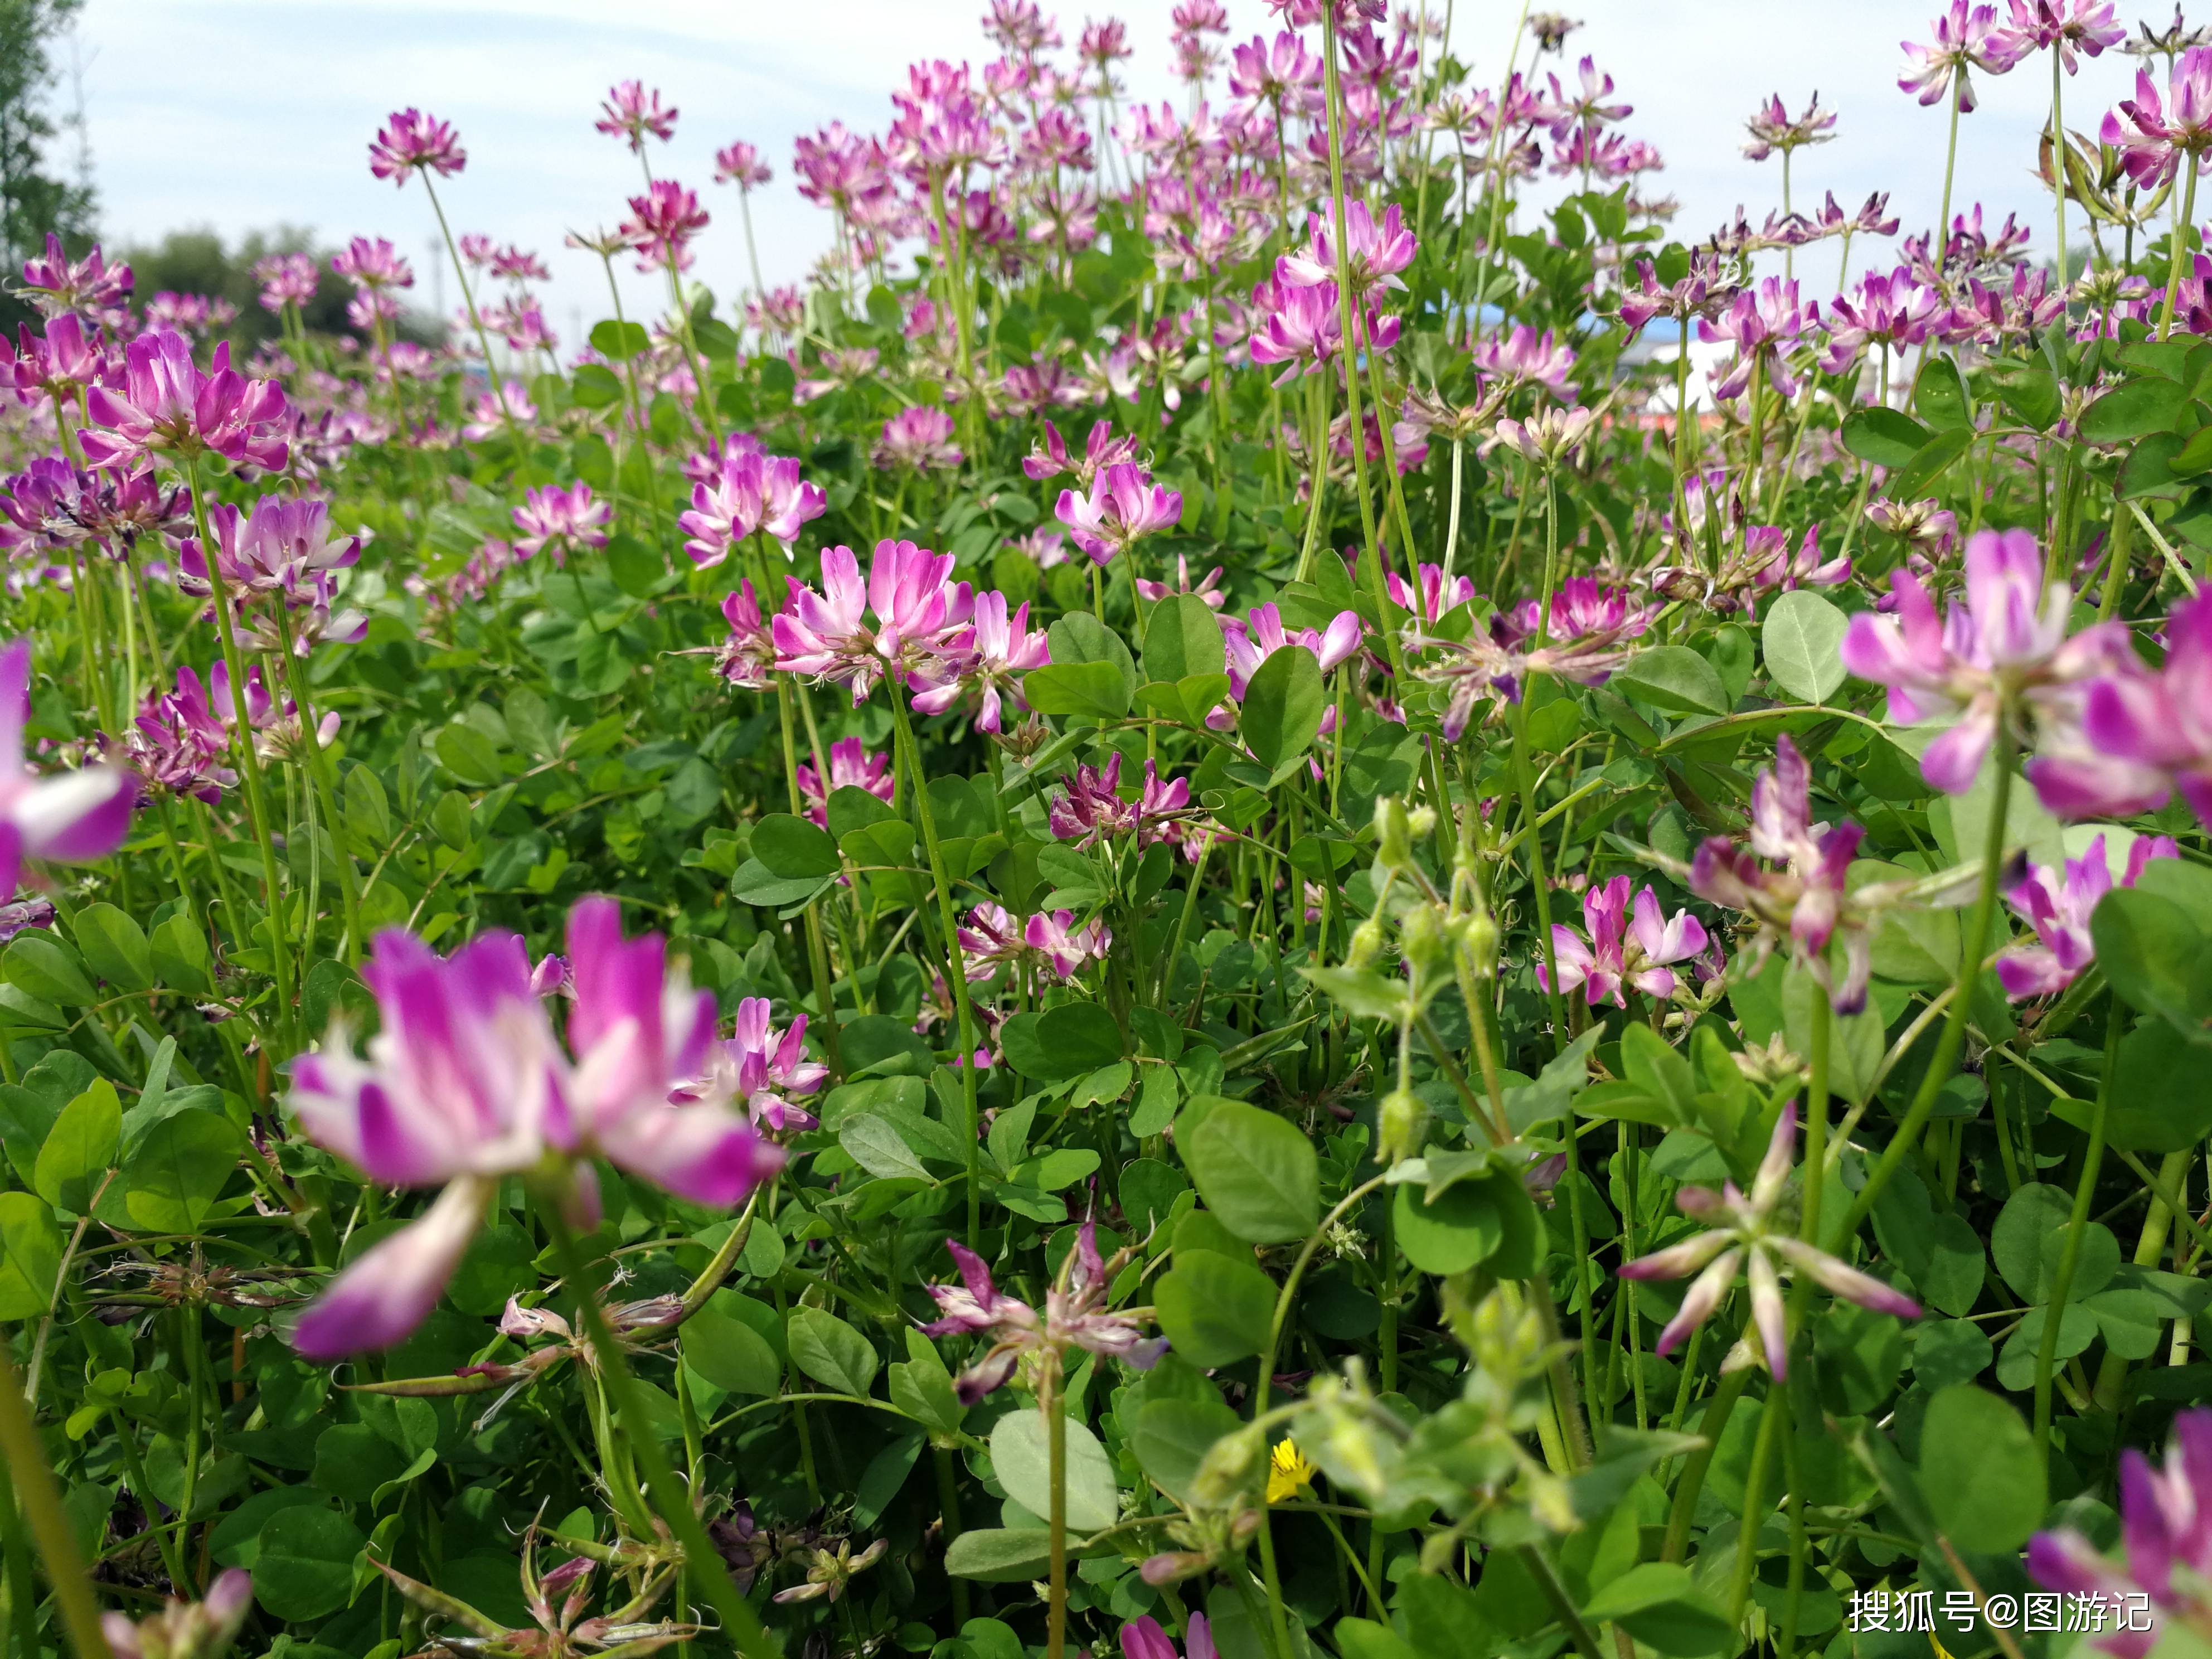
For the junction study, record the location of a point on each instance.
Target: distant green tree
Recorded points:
(199, 261)
(33, 199)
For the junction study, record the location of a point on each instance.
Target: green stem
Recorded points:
(1710, 1426)
(249, 768)
(710, 1580)
(325, 786)
(953, 968)
(1771, 1417)
(1975, 946)
(2182, 226)
(1055, 1440)
(2070, 1256)
(33, 1480)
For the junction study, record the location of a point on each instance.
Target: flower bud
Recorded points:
(1421, 937)
(1477, 935)
(1394, 844)
(1400, 1122)
(1232, 1468)
(1421, 821)
(1366, 945)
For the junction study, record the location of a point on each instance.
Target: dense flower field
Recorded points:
(1158, 923)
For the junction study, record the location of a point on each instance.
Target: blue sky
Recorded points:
(239, 115)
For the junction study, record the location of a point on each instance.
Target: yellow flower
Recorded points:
(1289, 1473)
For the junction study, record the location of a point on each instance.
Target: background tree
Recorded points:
(33, 197)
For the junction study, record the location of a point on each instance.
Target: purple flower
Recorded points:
(1143, 1638)
(177, 743)
(631, 112)
(286, 279)
(1066, 947)
(1745, 1235)
(1089, 808)
(920, 438)
(661, 225)
(561, 520)
(746, 656)
(1437, 594)
(74, 817)
(2143, 734)
(1772, 128)
(2151, 137)
(1619, 951)
(1378, 252)
(852, 766)
(1124, 507)
(410, 140)
(165, 403)
(280, 548)
(1998, 648)
(1249, 641)
(1967, 37)
(745, 492)
(1764, 325)
(1208, 589)
(1102, 450)
(1523, 357)
(1892, 312)
(95, 290)
(984, 659)
(827, 636)
(465, 1083)
(2089, 25)
(1076, 1315)
(56, 363)
(185, 1629)
(1592, 627)
(2058, 905)
(739, 164)
(372, 264)
(765, 1071)
(1791, 878)
(2166, 1523)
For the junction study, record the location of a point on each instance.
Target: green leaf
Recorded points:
(2160, 1103)
(178, 1170)
(1364, 993)
(179, 953)
(922, 1388)
(1000, 1555)
(42, 966)
(305, 1569)
(831, 1351)
(2155, 956)
(2134, 408)
(1072, 1040)
(1080, 690)
(1461, 1228)
(1983, 1482)
(1940, 395)
(619, 342)
(2030, 1215)
(1021, 1460)
(1660, 1605)
(594, 385)
(873, 1143)
(794, 850)
(1284, 703)
(1257, 1171)
(80, 1149)
(729, 1353)
(1182, 639)
(1885, 437)
(32, 1261)
(1215, 1310)
(1672, 677)
(114, 947)
(1661, 1071)
(1913, 478)
(1172, 1438)
(1802, 640)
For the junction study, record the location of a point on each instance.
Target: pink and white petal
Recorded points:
(701, 1153)
(1697, 1305)
(1847, 1282)
(1768, 1314)
(77, 816)
(386, 1294)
